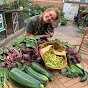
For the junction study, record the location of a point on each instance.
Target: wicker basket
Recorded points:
(56, 45)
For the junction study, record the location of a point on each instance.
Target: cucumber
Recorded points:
(39, 68)
(79, 66)
(84, 77)
(24, 79)
(42, 78)
(79, 71)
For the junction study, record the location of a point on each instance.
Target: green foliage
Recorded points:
(24, 3)
(71, 73)
(37, 10)
(25, 41)
(63, 20)
(46, 7)
(7, 5)
(60, 8)
(34, 9)
(62, 13)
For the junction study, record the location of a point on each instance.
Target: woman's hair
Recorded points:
(50, 9)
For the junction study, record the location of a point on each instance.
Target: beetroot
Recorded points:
(39, 59)
(12, 65)
(74, 60)
(18, 58)
(79, 60)
(72, 55)
(34, 57)
(22, 62)
(26, 56)
(24, 50)
(28, 49)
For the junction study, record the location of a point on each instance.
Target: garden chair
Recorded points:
(83, 49)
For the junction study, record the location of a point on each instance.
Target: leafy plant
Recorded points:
(63, 20)
(7, 5)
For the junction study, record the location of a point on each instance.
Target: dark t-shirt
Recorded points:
(33, 23)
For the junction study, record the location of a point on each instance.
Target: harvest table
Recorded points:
(65, 82)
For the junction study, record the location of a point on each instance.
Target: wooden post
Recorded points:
(12, 22)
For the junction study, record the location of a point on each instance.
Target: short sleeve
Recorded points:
(29, 27)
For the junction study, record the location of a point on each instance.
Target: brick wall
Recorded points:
(56, 3)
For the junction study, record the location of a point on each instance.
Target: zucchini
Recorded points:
(42, 78)
(79, 71)
(84, 77)
(24, 79)
(79, 66)
(39, 68)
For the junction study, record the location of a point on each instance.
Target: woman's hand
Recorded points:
(49, 34)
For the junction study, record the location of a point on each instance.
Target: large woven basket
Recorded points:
(56, 46)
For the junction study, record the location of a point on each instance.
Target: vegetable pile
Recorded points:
(24, 50)
(4, 80)
(76, 70)
(23, 57)
(29, 77)
(72, 55)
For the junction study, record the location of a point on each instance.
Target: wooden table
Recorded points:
(65, 82)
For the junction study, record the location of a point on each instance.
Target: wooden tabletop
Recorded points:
(65, 82)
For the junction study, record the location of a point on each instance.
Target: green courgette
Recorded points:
(39, 68)
(79, 71)
(42, 78)
(24, 79)
(84, 77)
(80, 66)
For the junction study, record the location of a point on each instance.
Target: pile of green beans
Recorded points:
(53, 60)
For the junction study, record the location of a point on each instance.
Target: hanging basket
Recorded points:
(56, 51)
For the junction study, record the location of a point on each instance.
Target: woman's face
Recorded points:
(49, 17)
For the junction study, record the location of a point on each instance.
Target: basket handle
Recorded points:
(62, 53)
(45, 49)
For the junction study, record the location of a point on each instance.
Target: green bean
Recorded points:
(53, 60)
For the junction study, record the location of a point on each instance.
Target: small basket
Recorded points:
(56, 46)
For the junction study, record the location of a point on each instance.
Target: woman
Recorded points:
(42, 25)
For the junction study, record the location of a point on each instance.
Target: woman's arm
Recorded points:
(28, 34)
(48, 35)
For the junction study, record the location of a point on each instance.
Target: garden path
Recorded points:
(68, 33)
